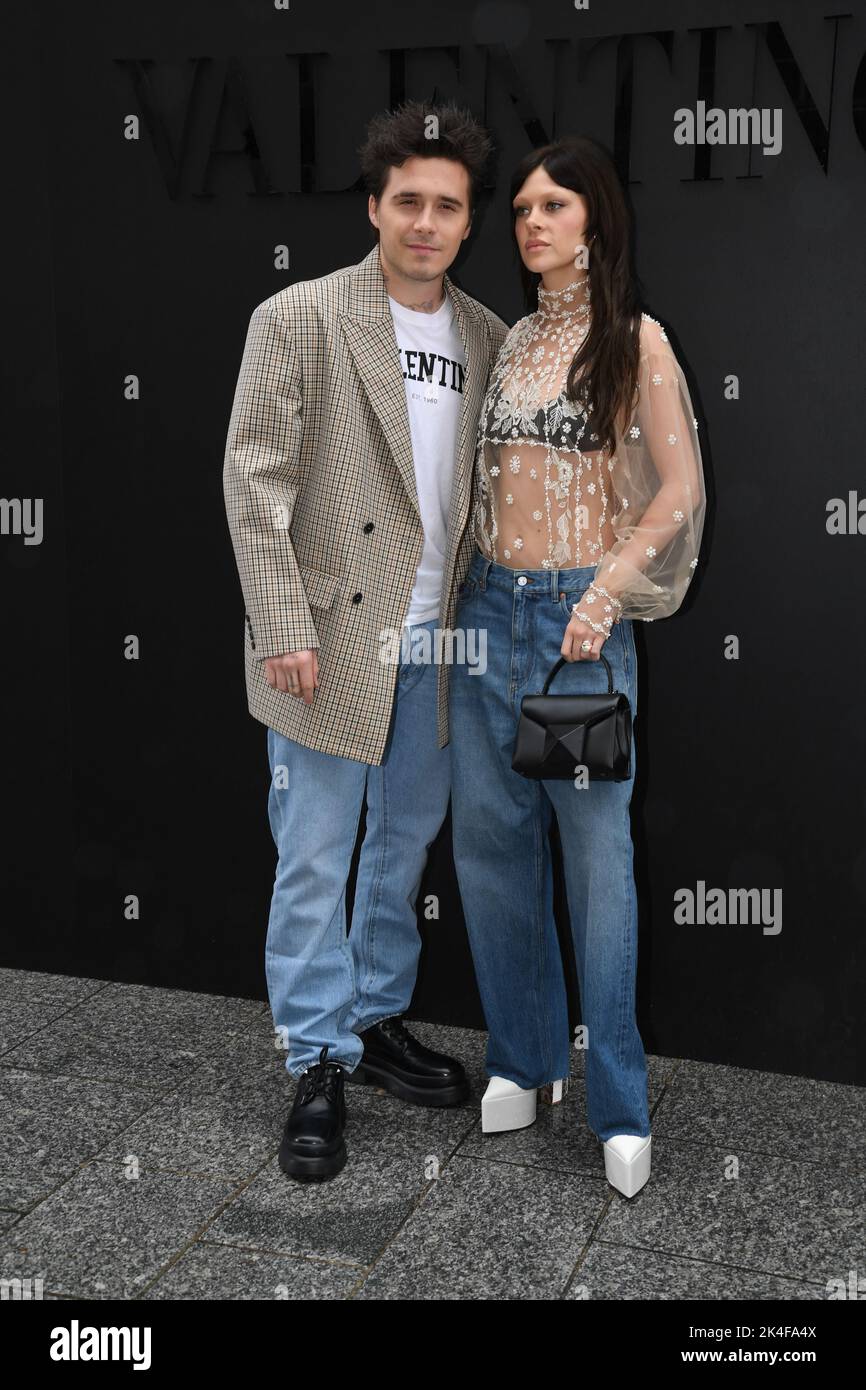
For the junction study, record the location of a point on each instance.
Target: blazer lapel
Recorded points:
(473, 335)
(369, 331)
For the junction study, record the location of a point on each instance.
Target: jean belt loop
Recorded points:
(485, 570)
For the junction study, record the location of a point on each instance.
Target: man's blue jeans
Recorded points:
(325, 986)
(503, 858)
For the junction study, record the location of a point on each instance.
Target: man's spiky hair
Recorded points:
(395, 136)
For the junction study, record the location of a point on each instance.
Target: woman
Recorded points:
(589, 512)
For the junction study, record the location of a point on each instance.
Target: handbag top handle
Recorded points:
(561, 662)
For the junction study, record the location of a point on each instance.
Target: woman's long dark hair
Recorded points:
(606, 363)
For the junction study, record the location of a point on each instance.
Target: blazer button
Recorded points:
(356, 598)
(369, 527)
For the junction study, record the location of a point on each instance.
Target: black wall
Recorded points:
(147, 256)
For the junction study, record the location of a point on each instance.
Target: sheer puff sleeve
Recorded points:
(657, 478)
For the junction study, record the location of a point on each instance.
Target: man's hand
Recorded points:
(297, 673)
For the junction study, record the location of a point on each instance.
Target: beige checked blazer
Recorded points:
(321, 501)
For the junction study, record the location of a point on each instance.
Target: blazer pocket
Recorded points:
(319, 587)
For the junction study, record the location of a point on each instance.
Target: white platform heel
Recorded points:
(627, 1160)
(505, 1105)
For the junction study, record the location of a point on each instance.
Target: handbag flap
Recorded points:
(573, 709)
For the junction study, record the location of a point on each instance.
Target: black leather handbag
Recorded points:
(558, 733)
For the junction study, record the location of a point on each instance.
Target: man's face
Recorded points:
(422, 217)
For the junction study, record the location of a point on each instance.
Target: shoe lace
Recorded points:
(321, 1079)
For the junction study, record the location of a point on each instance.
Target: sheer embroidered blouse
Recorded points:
(549, 498)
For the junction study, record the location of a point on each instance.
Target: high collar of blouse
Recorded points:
(560, 304)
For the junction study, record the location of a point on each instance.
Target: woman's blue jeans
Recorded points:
(503, 858)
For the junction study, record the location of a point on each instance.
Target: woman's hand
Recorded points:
(576, 633)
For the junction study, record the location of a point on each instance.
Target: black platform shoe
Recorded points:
(396, 1061)
(313, 1145)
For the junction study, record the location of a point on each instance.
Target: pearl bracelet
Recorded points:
(585, 618)
(600, 589)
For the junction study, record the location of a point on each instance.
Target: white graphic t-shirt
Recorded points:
(433, 364)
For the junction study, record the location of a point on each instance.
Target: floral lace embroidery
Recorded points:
(547, 497)
(527, 409)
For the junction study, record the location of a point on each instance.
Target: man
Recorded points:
(348, 480)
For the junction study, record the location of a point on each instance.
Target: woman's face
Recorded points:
(549, 224)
